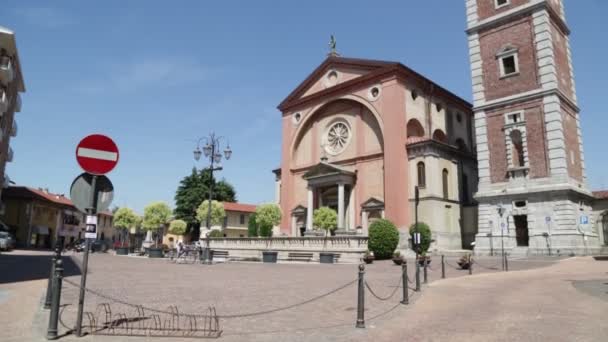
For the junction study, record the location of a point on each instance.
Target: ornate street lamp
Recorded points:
(211, 150)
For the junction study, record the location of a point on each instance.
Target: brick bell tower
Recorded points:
(529, 146)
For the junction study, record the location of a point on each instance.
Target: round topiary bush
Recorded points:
(425, 236)
(383, 239)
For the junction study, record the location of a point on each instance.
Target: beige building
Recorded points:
(235, 221)
(11, 84)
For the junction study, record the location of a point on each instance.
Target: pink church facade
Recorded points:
(354, 135)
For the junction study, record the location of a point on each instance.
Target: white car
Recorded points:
(7, 241)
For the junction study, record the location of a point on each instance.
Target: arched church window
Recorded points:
(421, 174)
(440, 136)
(517, 148)
(445, 176)
(414, 128)
(461, 145)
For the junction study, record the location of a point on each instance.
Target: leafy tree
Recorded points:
(265, 230)
(268, 215)
(178, 227)
(325, 218)
(194, 189)
(383, 238)
(425, 236)
(124, 219)
(217, 212)
(252, 226)
(156, 215)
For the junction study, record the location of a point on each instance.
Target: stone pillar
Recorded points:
(365, 215)
(351, 208)
(309, 209)
(294, 227)
(340, 206)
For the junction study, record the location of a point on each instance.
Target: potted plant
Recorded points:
(156, 215)
(325, 219)
(124, 219)
(465, 262)
(397, 258)
(425, 242)
(368, 257)
(266, 217)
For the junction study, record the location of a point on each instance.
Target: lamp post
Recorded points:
(211, 150)
(501, 212)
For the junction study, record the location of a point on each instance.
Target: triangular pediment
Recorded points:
(373, 203)
(299, 210)
(333, 72)
(325, 169)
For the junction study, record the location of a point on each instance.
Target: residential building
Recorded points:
(11, 85)
(237, 218)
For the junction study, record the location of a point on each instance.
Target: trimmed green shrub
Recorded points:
(383, 239)
(425, 236)
(325, 218)
(252, 226)
(215, 233)
(265, 230)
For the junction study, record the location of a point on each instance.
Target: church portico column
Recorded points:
(340, 205)
(365, 215)
(309, 209)
(351, 208)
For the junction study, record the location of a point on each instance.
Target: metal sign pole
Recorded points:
(91, 211)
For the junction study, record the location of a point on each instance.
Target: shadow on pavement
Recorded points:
(17, 268)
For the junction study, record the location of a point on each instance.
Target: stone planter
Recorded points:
(122, 251)
(398, 261)
(326, 258)
(155, 252)
(204, 251)
(270, 257)
(368, 259)
(421, 261)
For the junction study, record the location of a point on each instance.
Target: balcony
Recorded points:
(6, 70)
(14, 129)
(10, 155)
(3, 101)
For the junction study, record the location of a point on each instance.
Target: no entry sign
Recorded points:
(97, 154)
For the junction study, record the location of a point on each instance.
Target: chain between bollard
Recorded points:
(383, 298)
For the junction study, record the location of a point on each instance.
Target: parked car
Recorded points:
(96, 246)
(7, 241)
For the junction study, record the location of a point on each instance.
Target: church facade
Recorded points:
(359, 135)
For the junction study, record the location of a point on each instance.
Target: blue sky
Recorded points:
(156, 76)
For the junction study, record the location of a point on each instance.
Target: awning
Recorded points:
(41, 230)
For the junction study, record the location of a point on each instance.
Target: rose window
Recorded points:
(338, 137)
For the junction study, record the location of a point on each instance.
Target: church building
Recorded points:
(359, 135)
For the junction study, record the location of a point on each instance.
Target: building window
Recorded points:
(446, 192)
(414, 129)
(414, 95)
(440, 136)
(501, 3)
(337, 138)
(225, 224)
(518, 149)
(421, 175)
(509, 64)
(242, 219)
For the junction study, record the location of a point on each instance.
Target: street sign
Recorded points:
(584, 219)
(82, 190)
(548, 219)
(97, 154)
(91, 228)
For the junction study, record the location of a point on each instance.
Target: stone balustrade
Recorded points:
(350, 248)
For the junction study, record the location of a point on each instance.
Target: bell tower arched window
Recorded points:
(421, 174)
(444, 176)
(518, 149)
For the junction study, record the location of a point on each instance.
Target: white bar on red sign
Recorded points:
(97, 154)
(92, 219)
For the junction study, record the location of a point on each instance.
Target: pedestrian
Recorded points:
(180, 249)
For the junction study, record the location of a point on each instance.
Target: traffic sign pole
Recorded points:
(91, 219)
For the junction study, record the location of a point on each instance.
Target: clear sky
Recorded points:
(155, 75)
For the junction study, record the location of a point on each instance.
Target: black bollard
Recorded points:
(406, 297)
(426, 264)
(506, 263)
(49, 285)
(442, 266)
(470, 265)
(51, 333)
(361, 299)
(417, 276)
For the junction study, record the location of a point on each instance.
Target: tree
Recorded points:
(178, 227)
(156, 215)
(217, 212)
(124, 219)
(383, 238)
(267, 216)
(325, 218)
(194, 189)
(252, 226)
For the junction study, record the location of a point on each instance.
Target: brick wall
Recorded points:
(487, 8)
(537, 148)
(520, 35)
(573, 153)
(497, 148)
(561, 60)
